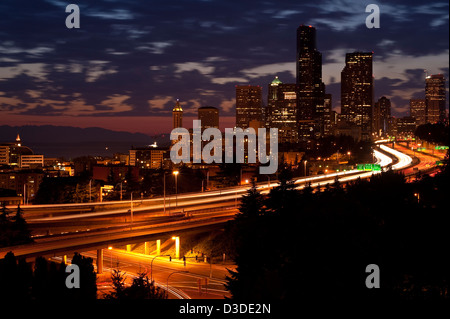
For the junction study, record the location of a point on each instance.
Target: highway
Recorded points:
(84, 241)
(427, 160)
(192, 201)
(201, 210)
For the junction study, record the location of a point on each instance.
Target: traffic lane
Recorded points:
(426, 161)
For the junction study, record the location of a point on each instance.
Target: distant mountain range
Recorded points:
(69, 142)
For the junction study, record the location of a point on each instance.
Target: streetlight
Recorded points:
(175, 173)
(305, 166)
(164, 183)
(151, 264)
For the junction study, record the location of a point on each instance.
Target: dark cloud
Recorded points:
(145, 54)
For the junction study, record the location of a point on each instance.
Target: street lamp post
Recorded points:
(151, 264)
(164, 185)
(175, 173)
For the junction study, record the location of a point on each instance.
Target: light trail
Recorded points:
(233, 193)
(403, 159)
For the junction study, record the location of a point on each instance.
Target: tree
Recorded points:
(252, 203)
(118, 282)
(319, 247)
(13, 230)
(21, 233)
(141, 288)
(282, 197)
(88, 278)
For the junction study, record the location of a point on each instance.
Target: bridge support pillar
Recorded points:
(65, 259)
(158, 247)
(147, 248)
(128, 247)
(177, 246)
(99, 261)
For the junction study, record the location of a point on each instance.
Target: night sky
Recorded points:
(130, 60)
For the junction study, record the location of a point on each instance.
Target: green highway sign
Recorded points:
(441, 147)
(368, 167)
(438, 163)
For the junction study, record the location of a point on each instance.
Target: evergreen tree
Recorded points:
(21, 233)
(252, 203)
(118, 282)
(88, 278)
(317, 245)
(143, 288)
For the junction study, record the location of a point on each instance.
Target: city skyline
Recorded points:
(85, 77)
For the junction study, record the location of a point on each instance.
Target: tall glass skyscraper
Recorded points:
(311, 89)
(357, 91)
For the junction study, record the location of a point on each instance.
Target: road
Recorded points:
(427, 160)
(195, 280)
(82, 241)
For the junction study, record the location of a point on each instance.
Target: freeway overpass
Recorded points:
(201, 211)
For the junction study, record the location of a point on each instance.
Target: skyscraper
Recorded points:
(435, 98)
(209, 116)
(311, 89)
(177, 115)
(282, 110)
(417, 109)
(248, 105)
(357, 91)
(381, 116)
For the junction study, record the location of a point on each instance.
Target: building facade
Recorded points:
(406, 126)
(381, 116)
(357, 91)
(147, 157)
(435, 99)
(248, 105)
(417, 110)
(209, 116)
(282, 110)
